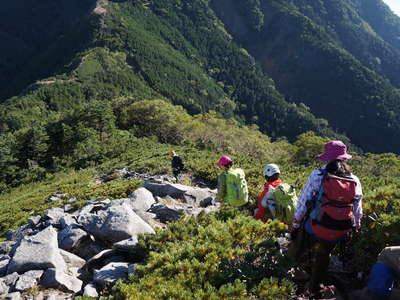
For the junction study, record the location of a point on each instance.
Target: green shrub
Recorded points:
(224, 255)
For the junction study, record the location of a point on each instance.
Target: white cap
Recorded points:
(271, 169)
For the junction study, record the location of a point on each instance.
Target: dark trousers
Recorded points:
(320, 252)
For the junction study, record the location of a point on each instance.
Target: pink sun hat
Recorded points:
(223, 161)
(335, 150)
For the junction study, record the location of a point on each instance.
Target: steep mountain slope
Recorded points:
(323, 53)
(38, 38)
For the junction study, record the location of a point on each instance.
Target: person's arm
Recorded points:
(221, 188)
(357, 205)
(306, 194)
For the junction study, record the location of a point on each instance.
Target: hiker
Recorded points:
(176, 165)
(335, 196)
(277, 199)
(232, 185)
(382, 277)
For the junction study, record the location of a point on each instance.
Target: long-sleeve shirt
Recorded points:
(312, 187)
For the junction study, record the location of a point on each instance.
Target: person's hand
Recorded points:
(293, 233)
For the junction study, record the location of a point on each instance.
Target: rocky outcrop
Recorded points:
(82, 251)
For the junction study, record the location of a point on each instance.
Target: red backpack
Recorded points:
(336, 208)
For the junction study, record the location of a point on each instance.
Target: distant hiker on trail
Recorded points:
(328, 209)
(382, 277)
(232, 185)
(176, 165)
(278, 199)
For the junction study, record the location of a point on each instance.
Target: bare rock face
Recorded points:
(37, 252)
(115, 224)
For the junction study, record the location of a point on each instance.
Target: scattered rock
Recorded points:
(115, 224)
(9, 281)
(16, 235)
(141, 200)
(53, 215)
(126, 245)
(90, 290)
(99, 260)
(72, 200)
(110, 273)
(166, 214)
(34, 221)
(37, 252)
(53, 278)
(3, 288)
(72, 260)
(28, 280)
(68, 208)
(67, 221)
(5, 247)
(55, 197)
(4, 260)
(70, 237)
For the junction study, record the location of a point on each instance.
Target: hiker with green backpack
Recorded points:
(328, 210)
(232, 185)
(278, 199)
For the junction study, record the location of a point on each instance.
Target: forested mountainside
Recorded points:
(340, 58)
(79, 67)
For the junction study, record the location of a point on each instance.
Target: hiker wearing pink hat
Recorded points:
(328, 209)
(232, 185)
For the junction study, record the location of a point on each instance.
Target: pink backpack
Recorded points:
(336, 211)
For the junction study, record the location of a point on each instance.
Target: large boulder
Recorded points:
(53, 215)
(110, 273)
(117, 223)
(141, 200)
(28, 280)
(70, 237)
(191, 195)
(126, 245)
(72, 260)
(166, 214)
(37, 252)
(53, 278)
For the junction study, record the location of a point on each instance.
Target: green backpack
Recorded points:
(237, 193)
(286, 202)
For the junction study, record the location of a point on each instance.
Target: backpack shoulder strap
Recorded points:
(317, 200)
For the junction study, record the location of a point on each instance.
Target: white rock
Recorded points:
(110, 273)
(28, 280)
(53, 278)
(117, 223)
(90, 290)
(72, 260)
(37, 252)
